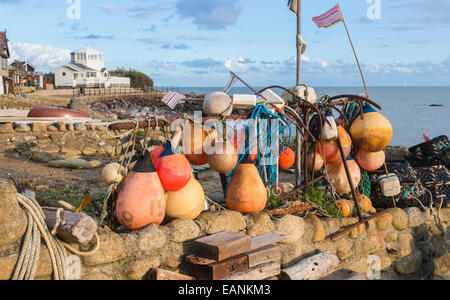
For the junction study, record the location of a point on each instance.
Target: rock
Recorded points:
(415, 217)
(384, 221)
(396, 153)
(371, 244)
(70, 150)
(45, 157)
(291, 227)
(445, 215)
(409, 264)
(259, 224)
(80, 127)
(89, 151)
(23, 128)
(173, 254)
(391, 236)
(151, 239)
(399, 219)
(52, 128)
(101, 128)
(442, 265)
(319, 229)
(6, 128)
(344, 247)
(406, 244)
(111, 249)
(13, 219)
(137, 269)
(421, 233)
(39, 127)
(215, 222)
(331, 225)
(181, 230)
(355, 232)
(290, 252)
(74, 164)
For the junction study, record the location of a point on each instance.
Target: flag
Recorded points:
(330, 18)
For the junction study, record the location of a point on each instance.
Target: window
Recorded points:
(75, 76)
(4, 64)
(64, 73)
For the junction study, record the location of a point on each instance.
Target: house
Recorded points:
(87, 69)
(5, 80)
(22, 73)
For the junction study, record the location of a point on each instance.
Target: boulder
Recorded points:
(409, 264)
(259, 224)
(406, 244)
(74, 164)
(46, 157)
(13, 220)
(137, 269)
(22, 128)
(384, 221)
(111, 249)
(89, 151)
(291, 252)
(291, 227)
(39, 127)
(150, 239)
(344, 247)
(399, 219)
(6, 128)
(215, 222)
(181, 230)
(318, 228)
(415, 217)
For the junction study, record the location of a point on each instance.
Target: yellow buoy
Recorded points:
(187, 203)
(112, 173)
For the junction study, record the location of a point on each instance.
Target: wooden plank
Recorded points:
(263, 255)
(312, 268)
(160, 274)
(266, 240)
(257, 273)
(73, 227)
(221, 246)
(207, 269)
(344, 274)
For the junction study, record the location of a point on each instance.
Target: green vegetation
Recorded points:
(318, 197)
(138, 79)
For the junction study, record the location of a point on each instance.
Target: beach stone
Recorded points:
(46, 157)
(101, 128)
(111, 249)
(421, 233)
(173, 254)
(319, 230)
(384, 221)
(13, 219)
(344, 247)
(137, 269)
(23, 128)
(371, 244)
(409, 264)
(391, 236)
(290, 253)
(259, 224)
(399, 219)
(415, 217)
(39, 127)
(70, 150)
(355, 232)
(331, 225)
(6, 128)
(74, 164)
(215, 222)
(291, 227)
(181, 230)
(150, 239)
(89, 151)
(80, 127)
(406, 244)
(52, 128)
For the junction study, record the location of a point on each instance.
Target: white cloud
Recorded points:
(237, 64)
(44, 57)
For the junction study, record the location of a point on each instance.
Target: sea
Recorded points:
(413, 111)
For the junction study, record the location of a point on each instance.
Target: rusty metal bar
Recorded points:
(344, 231)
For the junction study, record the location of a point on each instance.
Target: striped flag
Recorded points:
(330, 18)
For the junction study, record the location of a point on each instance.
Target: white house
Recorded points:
(87, 69)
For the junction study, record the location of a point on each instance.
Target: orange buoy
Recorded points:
(246, 192)
(141, 198)
(330, 150)
(156, 153)
(373, 133)
(364, 202)
(187, 203)
(345, 206)
(338, 176)
(287, 159)
(173, 169)
(370, 161)
(224, 159)
(193, 143)
(318, 163)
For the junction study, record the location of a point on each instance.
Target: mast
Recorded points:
(299, 81)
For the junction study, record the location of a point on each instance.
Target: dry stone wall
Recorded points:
(407, 244)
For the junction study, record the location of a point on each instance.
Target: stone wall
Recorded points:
(409, 243)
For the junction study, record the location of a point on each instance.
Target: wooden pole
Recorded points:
(354, 52)
(298, 138)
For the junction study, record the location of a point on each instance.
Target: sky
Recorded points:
(195, 42)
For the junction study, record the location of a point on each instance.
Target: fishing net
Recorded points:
(437, 180)
(432, 153)
(365, 187)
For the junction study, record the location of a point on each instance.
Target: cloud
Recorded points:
(109, 8)
(44, 57)
(93, 36)
(210, 15)
(180, 46)
(204, 63)
(240, 64)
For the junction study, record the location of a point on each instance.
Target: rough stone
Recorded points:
(331, 225)
(371, 244)
(89, 151)
(406, 244)
(319, 230)
(181, 230)
(442, 264)
(39, 127)
(44, 267)
(355, 232)
(6, 128)
(70, 150)
(421, 233)
(52, 128)
(13, 219)
(173, 254)
(137, 269)
(111, 249)
(344, 247)
(384, 221)
(399, 219)
(80, 127)
(150, 239)
(290, 253)
(409, 264)
(445, 215)
(415, 217)
(22, 128)
(291, 227)
(74, 164)
(215, 222)
(259, 224)
(46, 157)
(391, 236)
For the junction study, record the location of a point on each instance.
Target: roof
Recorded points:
(83, 67)
(23, 63)
(2, 41)
(86, 49)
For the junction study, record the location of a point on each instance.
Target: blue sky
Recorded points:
(194, 42)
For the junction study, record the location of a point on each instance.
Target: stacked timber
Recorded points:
(234, 256)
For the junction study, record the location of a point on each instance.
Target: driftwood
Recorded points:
(290, 208)
(160, 274)
(313, 268)
(221, 246)
(206, 269)
(263, 255)
(261, 272)
(72, 227)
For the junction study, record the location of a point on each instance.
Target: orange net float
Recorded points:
(330, 150)
(287, 159)
(193, 143)
(187, 203)
(370, 161)
(338, 177)
(364, 202)
(173, 169)
(345, 206)
(246, 192)
(141, 198)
